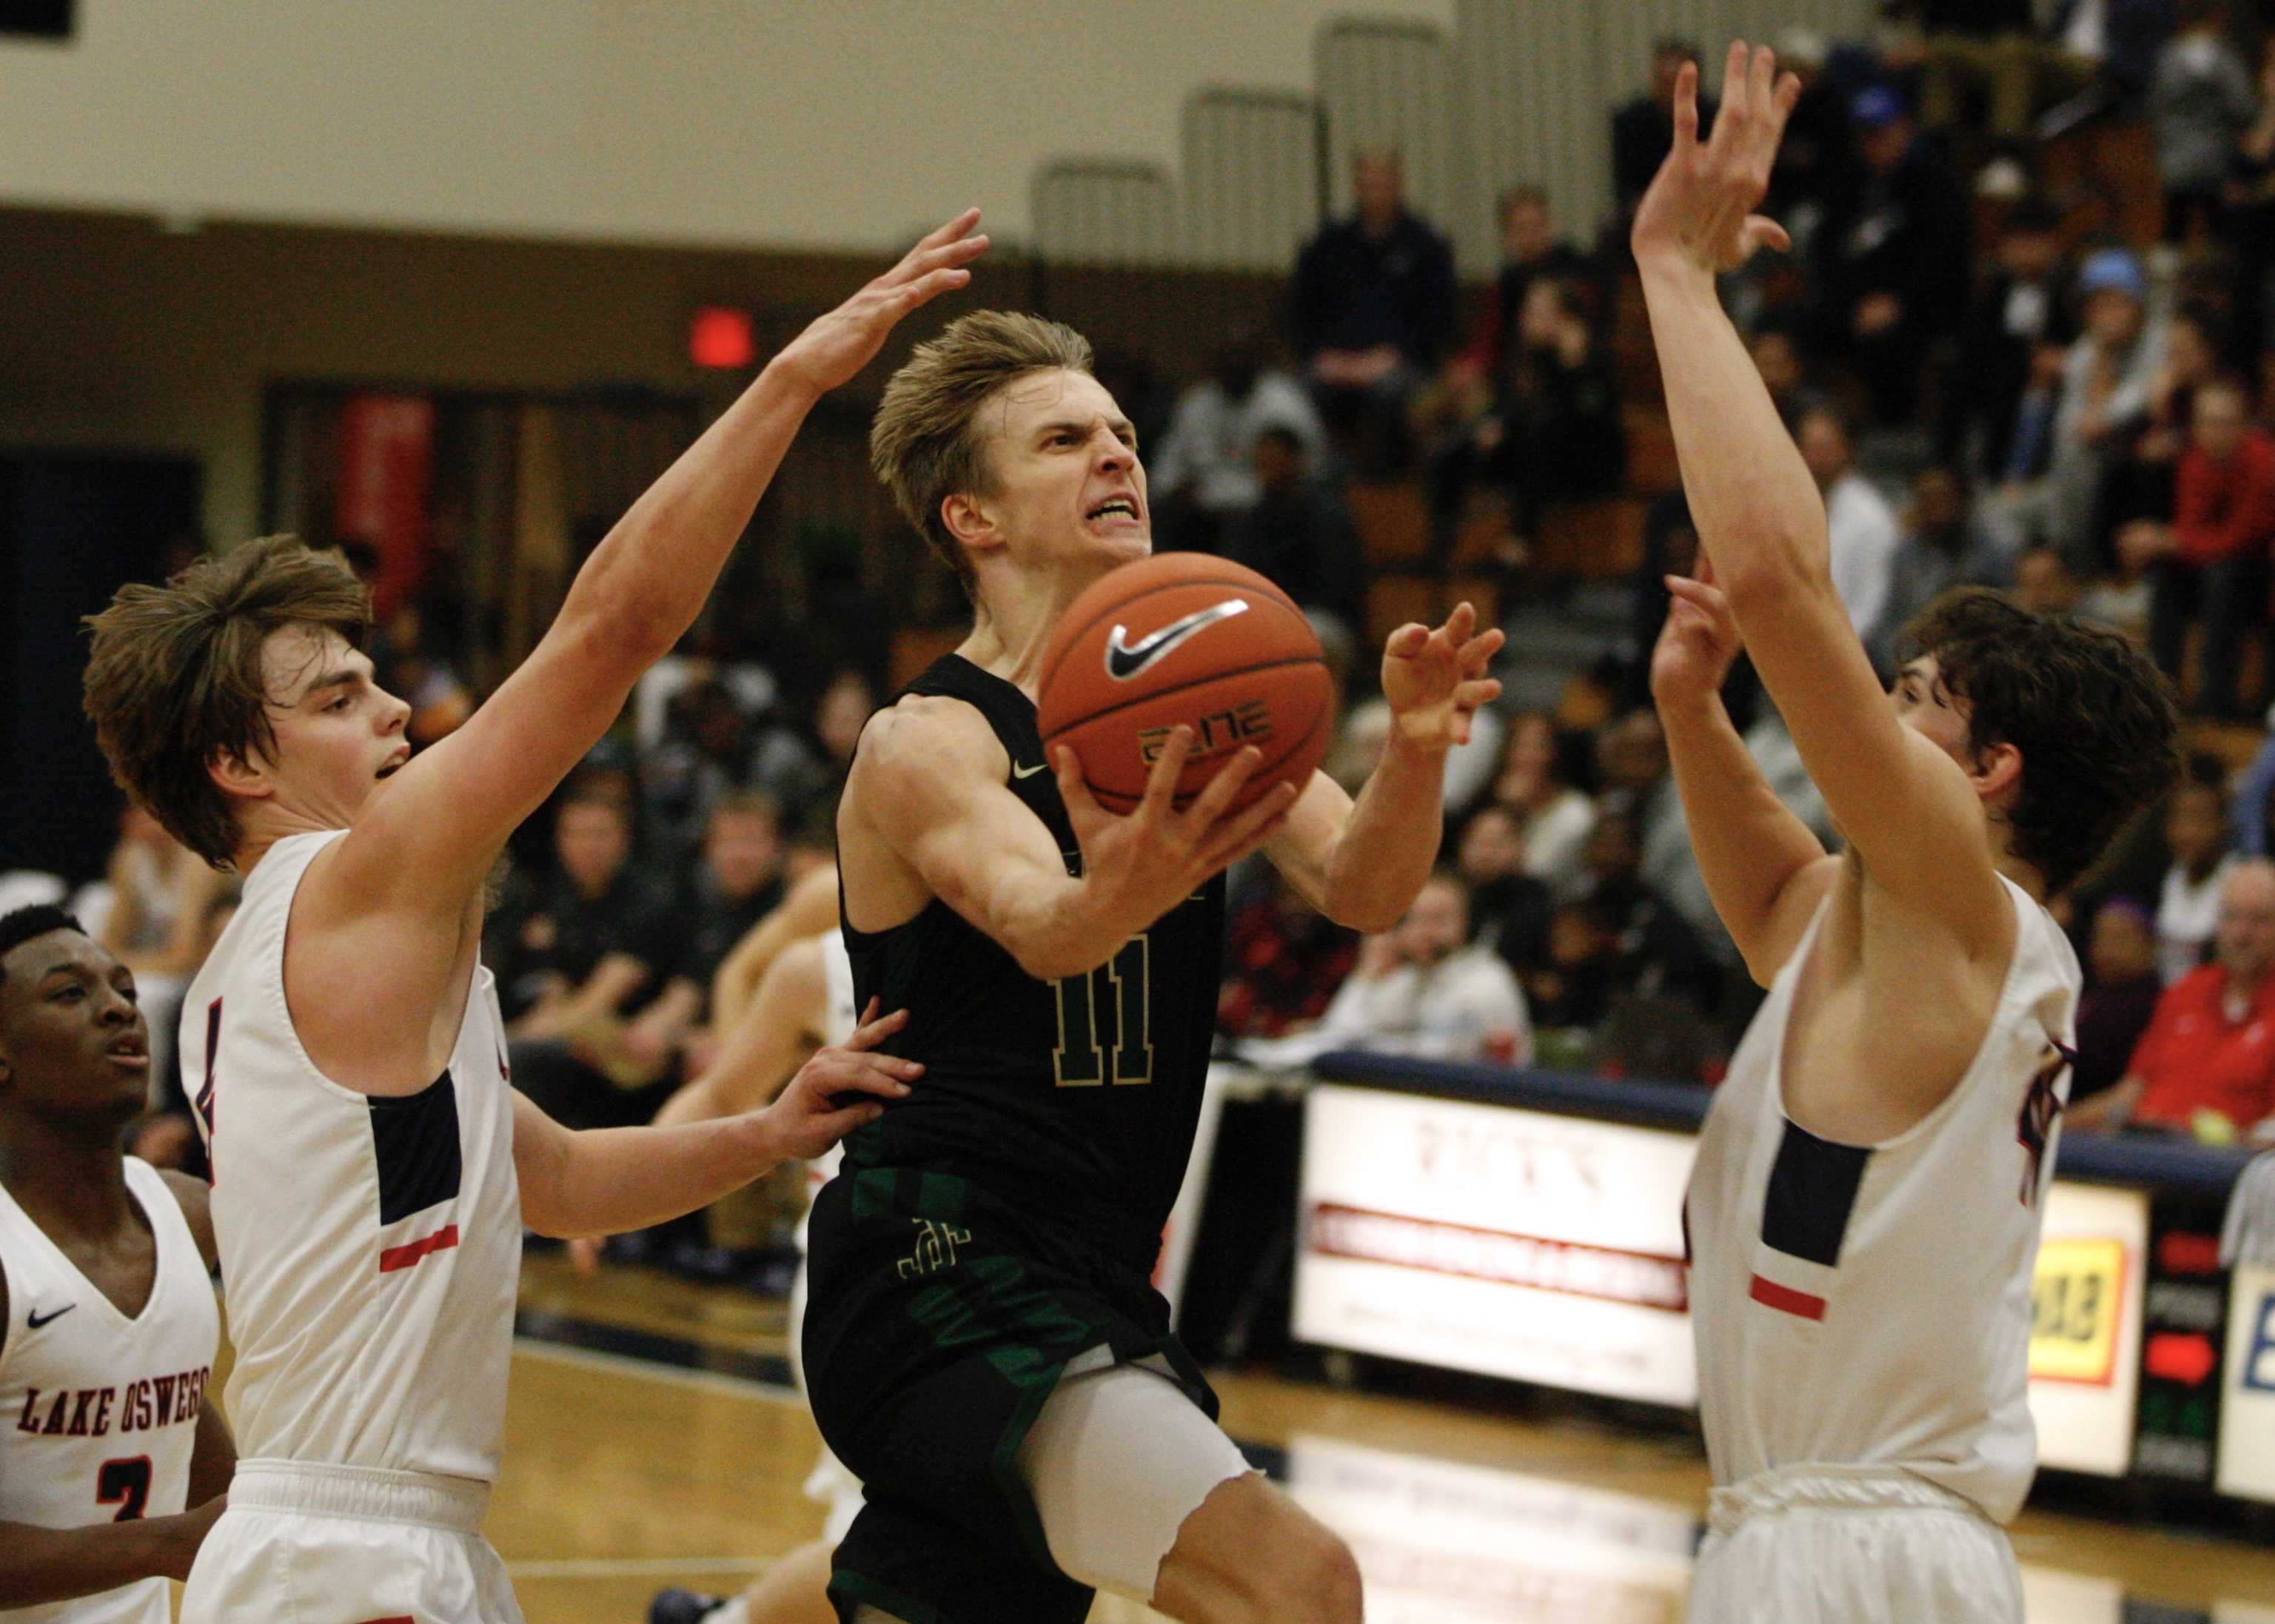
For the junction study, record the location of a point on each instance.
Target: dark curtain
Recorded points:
(73, 529)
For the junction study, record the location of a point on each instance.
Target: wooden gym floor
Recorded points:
(625, 1473)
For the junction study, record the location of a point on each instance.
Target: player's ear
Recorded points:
(967, 523)
(238, 777)
(1997, 772)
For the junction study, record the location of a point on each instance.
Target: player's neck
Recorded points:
(69, 1178)
(1014, 621)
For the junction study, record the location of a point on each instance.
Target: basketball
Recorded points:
(1189, 639)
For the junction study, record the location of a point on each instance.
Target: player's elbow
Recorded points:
(1769, 578)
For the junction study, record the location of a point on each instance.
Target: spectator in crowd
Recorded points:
(2024, 305)
(1860, 524)
(1949, 540)
(1777, 357)
(2107, 383)
(2108, 48)
(1421, 989)
(2188, 906)
(161, 894)
(1552, 429)
(1818, 158)
(1572, 996)
(2211, 563)
(1632, 765)
(2121, 996)
(705, 751)
(2250, 199)
(573, 953)
(1988, 51)
(1284, 960)
(410, 665)
(2206, 1065)
(1529, 250)
(1203, 477)
(1552, 817)
(2251, 806)
(2043, 584)
(1659, 951)
(1374, 306)
(1642, 131)
(737, 882)
(1298, 534)
(1893, 261)
(1508, 907)
(2201, 103)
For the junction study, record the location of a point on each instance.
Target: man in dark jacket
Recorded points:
(1373, 307)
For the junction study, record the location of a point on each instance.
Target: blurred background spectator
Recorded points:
(1202, 478)
(1373, 309)
(2187, 907)
(1423, 989)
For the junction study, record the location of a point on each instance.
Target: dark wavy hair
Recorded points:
(23, 924)
(2093, 720)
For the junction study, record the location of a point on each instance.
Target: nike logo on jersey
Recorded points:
(1029, 772)
(1124, 661)
(35, 1320)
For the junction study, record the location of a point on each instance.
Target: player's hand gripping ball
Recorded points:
(1185, 638)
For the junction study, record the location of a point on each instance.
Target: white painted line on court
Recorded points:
(648, 1370)
(636, 1567)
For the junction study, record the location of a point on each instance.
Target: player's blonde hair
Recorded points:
(923, 444)
(176, 676)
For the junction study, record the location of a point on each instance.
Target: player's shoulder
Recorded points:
(925, 739)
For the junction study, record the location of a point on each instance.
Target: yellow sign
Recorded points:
(2075, 1304)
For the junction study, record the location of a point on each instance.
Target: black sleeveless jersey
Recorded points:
(1072, 1103)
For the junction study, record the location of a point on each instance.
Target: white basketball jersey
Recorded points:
(99, 1412)
(1872, 1306)
(371, 1246)
(838, 1023)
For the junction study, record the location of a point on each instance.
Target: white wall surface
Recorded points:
(831, 124)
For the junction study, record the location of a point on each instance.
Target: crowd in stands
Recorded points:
(1992, 386)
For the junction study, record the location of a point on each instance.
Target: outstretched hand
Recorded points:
(1699, 209)
(838, 345)
(816, 1108)
(1140, 866)
(1435, 680)
(1699, 642)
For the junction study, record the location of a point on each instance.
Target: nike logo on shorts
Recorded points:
(1124, 661)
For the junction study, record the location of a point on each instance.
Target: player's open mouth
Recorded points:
(393, 762)
(1118, 507)
(131, 1055)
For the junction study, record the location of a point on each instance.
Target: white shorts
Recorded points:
(1117, 1462)
(1852, 1544)
(330, 1544)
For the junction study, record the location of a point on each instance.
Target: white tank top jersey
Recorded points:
(1872, 1306)
(840, 1019)
(370, 1247)
(99, 1411)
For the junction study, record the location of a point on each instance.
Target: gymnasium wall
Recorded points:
(809, 127)
(831, 125)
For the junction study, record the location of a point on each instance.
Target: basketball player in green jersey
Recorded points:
(984, 1347)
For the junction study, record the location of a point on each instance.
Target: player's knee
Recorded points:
(1313, 1577)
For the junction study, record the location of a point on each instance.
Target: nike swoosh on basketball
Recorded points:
(35, 1320)
(1029, 772)
(1124, 661)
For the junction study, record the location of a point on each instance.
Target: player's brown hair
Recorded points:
(925, 443)
(175, 677)
(2094, 720)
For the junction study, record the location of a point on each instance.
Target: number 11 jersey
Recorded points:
(1071, 1101)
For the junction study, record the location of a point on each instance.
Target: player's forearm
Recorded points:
(1747, 843)
(1057, 930)
(1758, 513)
(39, 1565)
(611, 1179)
(1390, 843)
(646, 581)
